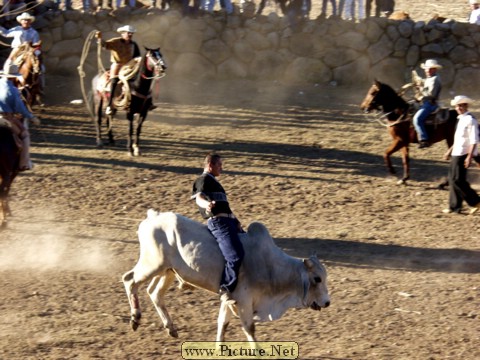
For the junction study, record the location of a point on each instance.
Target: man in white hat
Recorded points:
(430, 95)
(462, 152)
(474, 17)
(123, 49)
(11, 104)
(21, 34)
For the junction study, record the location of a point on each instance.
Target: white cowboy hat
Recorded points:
(461, 99)
(11, 72)
(473, 2)
(431, 63)
(126, 28)
(25, 16)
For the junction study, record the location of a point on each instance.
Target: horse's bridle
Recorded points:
(155, 64)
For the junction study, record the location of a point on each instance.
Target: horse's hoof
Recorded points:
(134, 325)
(402, 182)
(99, 144)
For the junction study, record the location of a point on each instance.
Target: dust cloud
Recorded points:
(53, 248)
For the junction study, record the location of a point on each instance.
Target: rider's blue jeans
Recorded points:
(419, 119)
(225, 230)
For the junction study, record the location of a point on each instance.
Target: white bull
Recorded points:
(270, 281)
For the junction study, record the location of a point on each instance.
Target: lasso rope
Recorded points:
(83, 57)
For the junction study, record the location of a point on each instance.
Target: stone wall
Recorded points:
(322, 51)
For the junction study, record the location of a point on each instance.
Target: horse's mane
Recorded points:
(395, 101)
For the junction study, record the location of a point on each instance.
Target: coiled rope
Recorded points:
(81, 72)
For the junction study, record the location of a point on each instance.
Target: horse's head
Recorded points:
(155, 62)
(371, 99)
(381, 97)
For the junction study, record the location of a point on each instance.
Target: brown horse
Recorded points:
(9, 159)
(398, 114)
(30, 66)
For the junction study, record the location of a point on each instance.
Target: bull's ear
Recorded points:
(308, 263)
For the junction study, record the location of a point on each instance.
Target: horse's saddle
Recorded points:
(439, 116)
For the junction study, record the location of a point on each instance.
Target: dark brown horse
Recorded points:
(398, 115)
(150, 67)
(9, 159)
(30, 66)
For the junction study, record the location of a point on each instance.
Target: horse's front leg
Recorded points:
(138, 131)
(397, 145)
(130, 118)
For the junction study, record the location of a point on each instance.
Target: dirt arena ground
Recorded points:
(403, 277)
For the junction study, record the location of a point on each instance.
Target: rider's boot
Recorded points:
(114, 82)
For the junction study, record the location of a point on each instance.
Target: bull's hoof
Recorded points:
(173, 333)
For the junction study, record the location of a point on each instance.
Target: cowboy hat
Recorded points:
(473, 2)
(431, 63)
(10, 72)
(126, 28)
(461, 99)
(25, 16)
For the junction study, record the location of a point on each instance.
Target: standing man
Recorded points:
(463, 150)
(123, 49)
(11, 104)
(474, 17)
(430, 92)
(213, 205)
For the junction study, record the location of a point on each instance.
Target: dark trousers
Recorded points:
(459, 187)
(225, 230)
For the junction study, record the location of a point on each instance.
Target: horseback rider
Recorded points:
(430, 94)
(123, 49)
(24, 33)
(11, 104)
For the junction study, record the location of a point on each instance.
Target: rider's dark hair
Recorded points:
(212, 158)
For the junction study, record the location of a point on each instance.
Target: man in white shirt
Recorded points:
(474, 17)
(462, 152)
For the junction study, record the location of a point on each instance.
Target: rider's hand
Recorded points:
(98, 34)
(35, 120)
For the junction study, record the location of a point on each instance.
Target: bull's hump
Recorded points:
(258, 229)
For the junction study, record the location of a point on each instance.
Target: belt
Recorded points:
(231, 216)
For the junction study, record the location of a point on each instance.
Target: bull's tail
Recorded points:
(152, 213)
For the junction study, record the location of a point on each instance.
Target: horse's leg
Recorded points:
(111, 140)
(138, 131)
(156, 290)
(130, 118)
(406, 164)
(98, 123)
(394, 147)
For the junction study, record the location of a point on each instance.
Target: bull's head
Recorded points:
(316, 296)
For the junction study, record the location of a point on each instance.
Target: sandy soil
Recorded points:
(403, 277)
